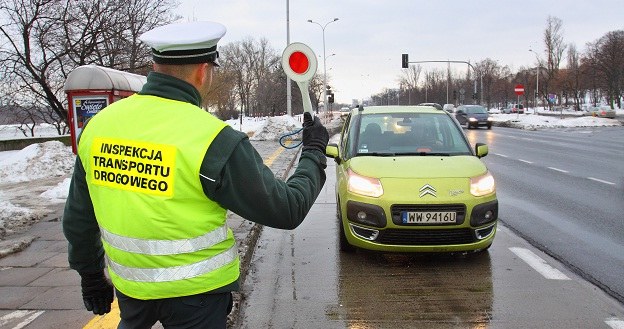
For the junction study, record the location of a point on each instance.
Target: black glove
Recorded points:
(97, 292)
(315, 136)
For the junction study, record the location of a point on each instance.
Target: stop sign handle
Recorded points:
(302, 74)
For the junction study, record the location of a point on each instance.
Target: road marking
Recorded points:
(272, 157)
(15, 315)
(107, 321)
(615, 323)
(539, 264)
(601, 181)
(525, 161)
(500, 155)
(559, 170)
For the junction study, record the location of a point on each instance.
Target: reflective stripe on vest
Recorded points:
(174, 273)
(165, 247)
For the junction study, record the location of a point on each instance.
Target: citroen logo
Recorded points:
(427, 189)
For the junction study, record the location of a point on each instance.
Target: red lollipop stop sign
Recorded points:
(299, 64)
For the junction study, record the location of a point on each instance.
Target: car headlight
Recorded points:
(490, 119)
(472, 119)
(482, 185)
(362, 185)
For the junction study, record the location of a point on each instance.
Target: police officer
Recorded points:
(153, 179)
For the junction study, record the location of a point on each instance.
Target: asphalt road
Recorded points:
(563, 190)
(300, 279)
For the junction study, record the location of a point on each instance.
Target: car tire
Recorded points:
(489, 127)
(345, 246)
(467, 124)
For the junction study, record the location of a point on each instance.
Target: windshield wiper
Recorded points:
(378, 154)
(425, 154)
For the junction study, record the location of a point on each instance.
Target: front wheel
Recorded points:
(489, 127)
(467, 124)
(345, 246)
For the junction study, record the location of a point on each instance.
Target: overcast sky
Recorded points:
(370, 35)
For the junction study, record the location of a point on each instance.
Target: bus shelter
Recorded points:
(90, 88)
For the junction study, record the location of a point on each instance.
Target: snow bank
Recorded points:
(274, 127)
(532, 122)
(37, 161)
(58, 194)
(13, 217)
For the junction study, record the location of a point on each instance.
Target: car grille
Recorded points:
(396, 211)
(422, 237)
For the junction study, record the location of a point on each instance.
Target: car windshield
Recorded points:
(475, 110)
(398, 134)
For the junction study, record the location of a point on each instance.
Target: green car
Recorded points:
(407, 180)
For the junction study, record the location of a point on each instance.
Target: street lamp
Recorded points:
(539, 64)
(324, 59)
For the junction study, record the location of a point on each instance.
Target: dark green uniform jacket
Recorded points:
(232, 174)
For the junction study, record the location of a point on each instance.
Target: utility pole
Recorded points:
(288, 82)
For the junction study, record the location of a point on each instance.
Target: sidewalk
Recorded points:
(40, 291)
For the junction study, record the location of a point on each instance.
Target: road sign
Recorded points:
(519, 89)
(552, 98)
(299, 64)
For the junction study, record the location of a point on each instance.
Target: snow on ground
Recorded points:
(48, 160)
(275, 127)
(37, 161)
(13, 132)
(532, 121)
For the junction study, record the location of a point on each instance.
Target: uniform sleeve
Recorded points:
(80, 227)
(239, 181)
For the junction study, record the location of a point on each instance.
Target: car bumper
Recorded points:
(480, 123)
(382, 230)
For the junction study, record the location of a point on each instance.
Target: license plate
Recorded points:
(429, 217)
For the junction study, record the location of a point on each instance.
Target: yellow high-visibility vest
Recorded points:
(162, 236)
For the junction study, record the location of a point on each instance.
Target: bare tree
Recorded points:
(490, 73)
(249, 61)
(221, 97)
(44, 40)
(571, 80)
(409, 79)
(605, 57)
(554, 48)
(316, 91)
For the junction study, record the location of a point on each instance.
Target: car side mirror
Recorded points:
(481, 150)
(332, 151)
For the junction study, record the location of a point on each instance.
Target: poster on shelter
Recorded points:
(88, 107)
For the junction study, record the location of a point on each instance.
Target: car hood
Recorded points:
(461, 166)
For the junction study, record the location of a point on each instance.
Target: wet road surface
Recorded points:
(563, 190)
(300, 279)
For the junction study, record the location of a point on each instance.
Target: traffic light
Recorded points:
(404, 61)
(474, 95)
(454, 94)
(330, 98)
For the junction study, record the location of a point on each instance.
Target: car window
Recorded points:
(408, 133)
(475, 110)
